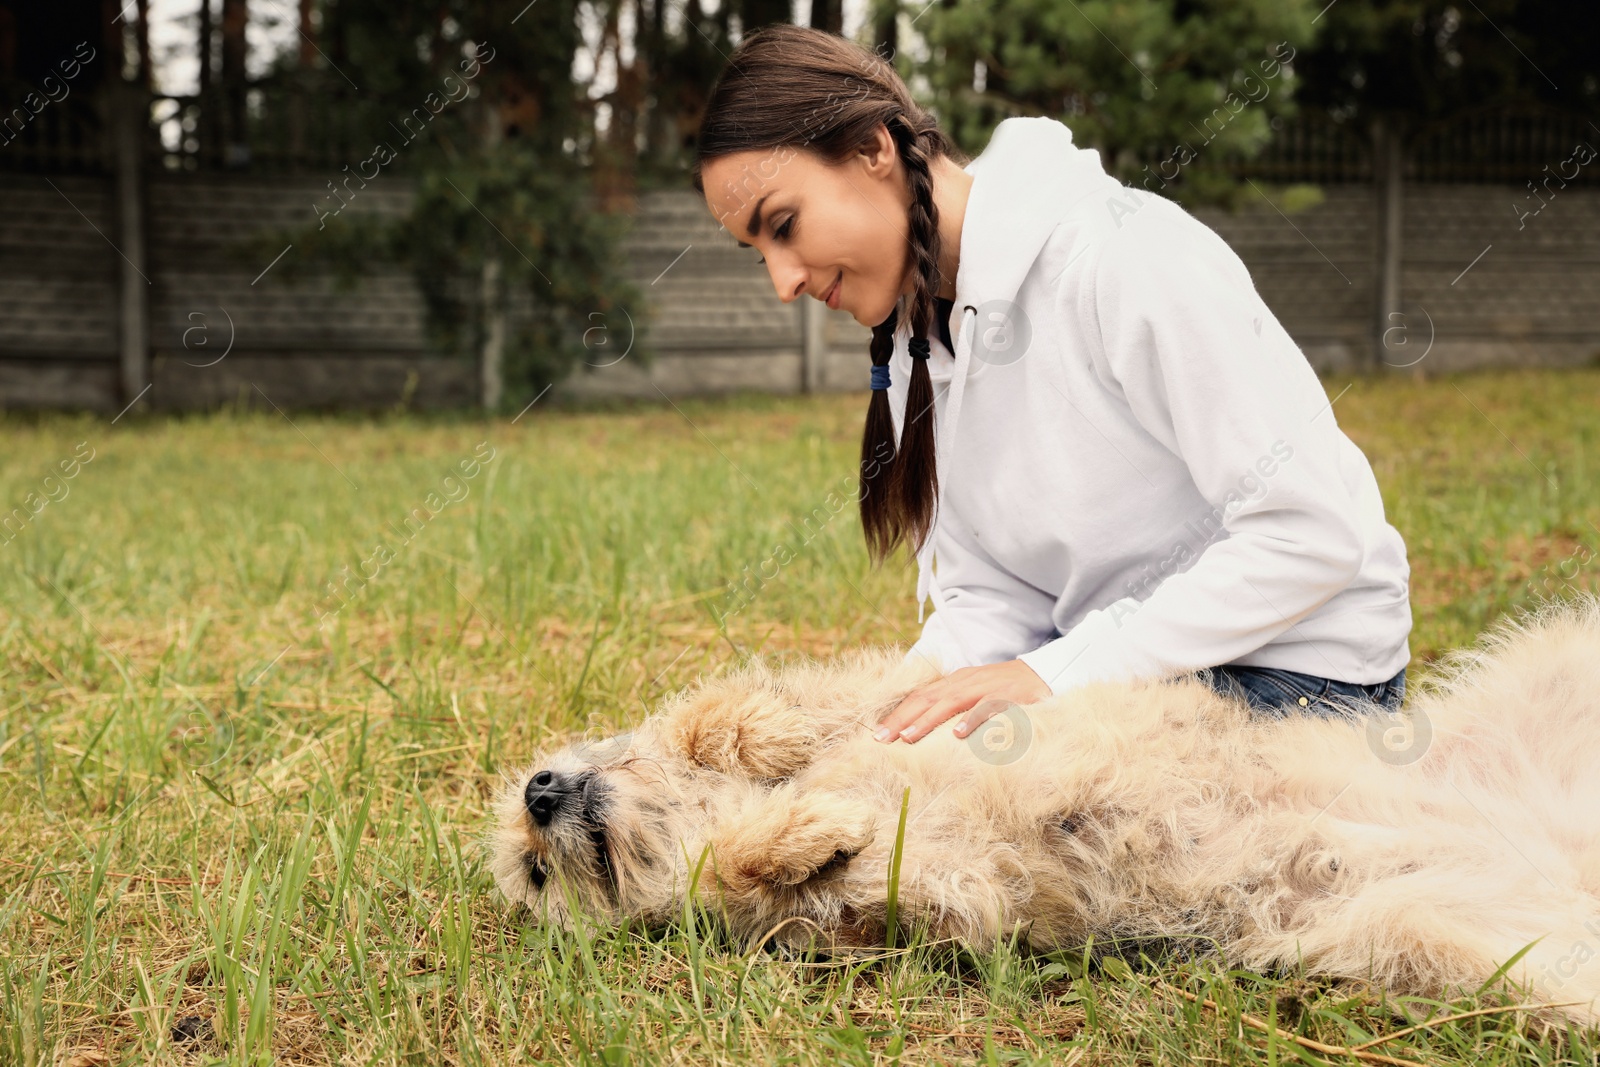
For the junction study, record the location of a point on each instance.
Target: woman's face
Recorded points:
(817, 225)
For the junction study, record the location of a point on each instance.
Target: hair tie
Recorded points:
(880, 377)
(918, 347)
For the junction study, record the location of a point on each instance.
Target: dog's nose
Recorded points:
(544, 795)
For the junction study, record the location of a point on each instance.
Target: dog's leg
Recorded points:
(759, 723)
(786, 839)
(742, 725)
(811, 868)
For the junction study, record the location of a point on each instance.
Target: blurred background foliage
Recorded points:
(528, 184)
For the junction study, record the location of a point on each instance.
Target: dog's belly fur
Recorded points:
(1161, 812)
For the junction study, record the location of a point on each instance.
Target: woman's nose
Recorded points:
(789, 279)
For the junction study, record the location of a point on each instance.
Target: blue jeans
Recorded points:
(1278, 693)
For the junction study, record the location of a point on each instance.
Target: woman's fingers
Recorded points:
(992, 687)
(904, 714)
(907, 719)
(924, 723)
(917, 715)
(981, 712)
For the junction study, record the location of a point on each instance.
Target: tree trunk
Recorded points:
(308, 34)
(627, 115)
(827, 15)
(205, 90)
(754, 14)
(886, 27)
(235, 17)
(615, 153)
(658, 128)
(142, 36)
(203, 43)
(697, 69)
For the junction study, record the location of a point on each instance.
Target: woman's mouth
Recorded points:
(832, 299)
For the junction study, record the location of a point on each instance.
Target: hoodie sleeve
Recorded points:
(1207, 370)
(988, 613)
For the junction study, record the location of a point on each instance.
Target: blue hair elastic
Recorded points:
(880, 377)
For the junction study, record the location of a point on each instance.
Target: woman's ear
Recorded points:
(878, 156)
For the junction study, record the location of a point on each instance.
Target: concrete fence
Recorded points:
(110, 293)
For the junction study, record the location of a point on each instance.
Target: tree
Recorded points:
(1155, 85)
(1416, 61)
(475, 100)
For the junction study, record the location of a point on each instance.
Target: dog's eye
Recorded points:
(840, 859)
(536, 872)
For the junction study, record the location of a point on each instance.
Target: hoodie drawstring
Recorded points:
(943, 444)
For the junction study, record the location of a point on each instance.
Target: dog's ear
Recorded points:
(787, 839)
(744, 724)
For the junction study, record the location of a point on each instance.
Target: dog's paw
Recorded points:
(789, 839)
(743, 725)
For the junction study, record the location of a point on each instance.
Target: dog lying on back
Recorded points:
(1419, 851)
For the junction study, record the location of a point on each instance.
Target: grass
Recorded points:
(241, 807)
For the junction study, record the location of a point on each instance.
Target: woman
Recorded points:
(1122, 463)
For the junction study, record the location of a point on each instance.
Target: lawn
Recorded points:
(252, 717)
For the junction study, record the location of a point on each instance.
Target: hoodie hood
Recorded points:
(1024, 183)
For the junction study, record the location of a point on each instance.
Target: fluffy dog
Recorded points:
(1419, 851)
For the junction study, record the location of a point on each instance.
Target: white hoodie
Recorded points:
(1140, 474)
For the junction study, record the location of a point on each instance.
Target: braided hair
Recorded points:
(835, 96)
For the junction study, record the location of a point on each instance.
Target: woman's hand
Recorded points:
(959, 691)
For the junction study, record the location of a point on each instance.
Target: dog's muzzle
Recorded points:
(545, 794)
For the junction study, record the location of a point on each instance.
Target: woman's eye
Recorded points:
(782, 231)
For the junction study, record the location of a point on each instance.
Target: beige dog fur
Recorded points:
(1419, 852)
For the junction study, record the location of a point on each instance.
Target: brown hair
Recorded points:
(790, 87)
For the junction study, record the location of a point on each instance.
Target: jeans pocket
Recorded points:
(1349, 695)
(1294, 689)
(1281, 692)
